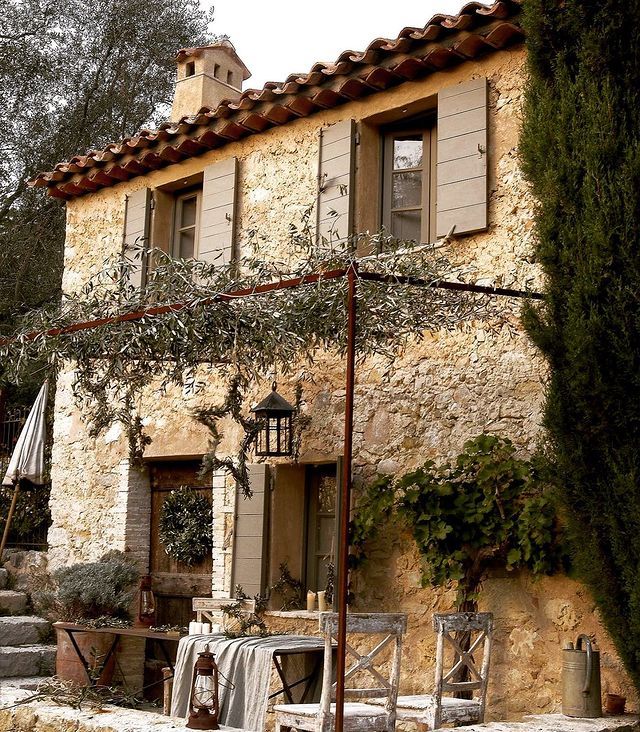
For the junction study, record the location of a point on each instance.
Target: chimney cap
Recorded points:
(224, 44)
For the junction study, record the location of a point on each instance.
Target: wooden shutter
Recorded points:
(250, 534)
(336, 167)
(136, 234)
(462, 158)
(218, 214)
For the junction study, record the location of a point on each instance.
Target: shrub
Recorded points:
(88, 591)
(581, 154)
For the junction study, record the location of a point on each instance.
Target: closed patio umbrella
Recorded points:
(27, 460)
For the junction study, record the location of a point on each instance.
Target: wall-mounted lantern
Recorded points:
(275, 438)
(205, 699)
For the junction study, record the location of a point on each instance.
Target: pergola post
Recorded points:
(343, 554)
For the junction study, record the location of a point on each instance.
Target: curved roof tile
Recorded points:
(444, 41)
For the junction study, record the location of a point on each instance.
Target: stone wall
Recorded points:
(439, 393)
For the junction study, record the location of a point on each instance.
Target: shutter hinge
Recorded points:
(152, 203)
(357, 138)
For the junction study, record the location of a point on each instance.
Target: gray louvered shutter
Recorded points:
(218, 212)
(336, 167)
(250, 534)
(462, 158)
(136, 234)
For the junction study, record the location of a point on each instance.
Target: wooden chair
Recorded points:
(358, 716)
(433, 710)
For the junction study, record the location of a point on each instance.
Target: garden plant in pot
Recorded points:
(97, 594)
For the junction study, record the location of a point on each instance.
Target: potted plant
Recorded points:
(95, 594)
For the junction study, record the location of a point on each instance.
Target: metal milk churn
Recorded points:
(581, 695)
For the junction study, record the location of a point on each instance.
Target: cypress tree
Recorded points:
(581, 153)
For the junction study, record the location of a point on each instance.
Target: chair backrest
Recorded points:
(469, 636)
(383, 675)
(211, 609)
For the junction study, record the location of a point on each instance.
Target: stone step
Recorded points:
(30, 683)
(4, 578)
(21, 630)
(12, 603)
(36, 660)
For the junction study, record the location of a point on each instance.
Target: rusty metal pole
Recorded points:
(343, 562)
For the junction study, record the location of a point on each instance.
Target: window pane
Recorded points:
(407, 189)
(326, 531)
(407, 152)
(186, 249)
(406, 225)
(327, 494)
(188, 212)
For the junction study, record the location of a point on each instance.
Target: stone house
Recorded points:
(418, 134)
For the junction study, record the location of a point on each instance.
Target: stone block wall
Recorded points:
(440, 392)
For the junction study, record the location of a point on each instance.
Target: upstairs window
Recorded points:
(187, 215)
(409, 182)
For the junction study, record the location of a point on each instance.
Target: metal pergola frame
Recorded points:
(352, 274)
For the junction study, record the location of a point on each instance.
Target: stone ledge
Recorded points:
(560, 723)
(45, 717)
(301, 614)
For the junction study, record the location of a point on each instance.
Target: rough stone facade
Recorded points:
(441, 392)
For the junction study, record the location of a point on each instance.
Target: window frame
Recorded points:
(311, 554)
(177, 229)
(427, 127)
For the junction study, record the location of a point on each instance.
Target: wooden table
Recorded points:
(234, 658)
(71, 629)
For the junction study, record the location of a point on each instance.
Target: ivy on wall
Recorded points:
(486, 508)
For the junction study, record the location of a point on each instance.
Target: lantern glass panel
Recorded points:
(204, 692)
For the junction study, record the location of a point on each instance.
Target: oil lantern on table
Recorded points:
(205, 703)
(147, 603)
(275, 438)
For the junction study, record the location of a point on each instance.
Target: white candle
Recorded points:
(311, 601)
(206, 628)
(322, 601)
(215, 628)
(192, 627)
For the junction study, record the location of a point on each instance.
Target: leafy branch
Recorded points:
(486, 508)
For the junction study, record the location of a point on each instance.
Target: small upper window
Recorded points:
(185, 234)
(216, 70)
(230, 78)
(190, 68)
(408, 187)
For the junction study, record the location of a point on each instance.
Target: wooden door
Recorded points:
(175, 583)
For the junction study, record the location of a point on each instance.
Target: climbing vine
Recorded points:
(486, 508)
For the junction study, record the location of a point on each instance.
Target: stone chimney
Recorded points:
(206, 76)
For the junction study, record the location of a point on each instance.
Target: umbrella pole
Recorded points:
(12, 508)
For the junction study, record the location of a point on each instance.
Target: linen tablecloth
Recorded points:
(246, 662)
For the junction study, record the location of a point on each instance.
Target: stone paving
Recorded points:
(47, 717)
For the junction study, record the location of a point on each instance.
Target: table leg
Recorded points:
(308, 680)
(286, 689)
(87, 669)
(167, 657)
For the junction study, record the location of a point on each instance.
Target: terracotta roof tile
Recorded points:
(444, 41)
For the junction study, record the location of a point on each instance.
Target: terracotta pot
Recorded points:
(92, 646)
(614, 704)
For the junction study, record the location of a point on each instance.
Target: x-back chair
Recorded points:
(382, 676)
(434, 710)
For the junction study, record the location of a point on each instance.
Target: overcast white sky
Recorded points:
(278, 37)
